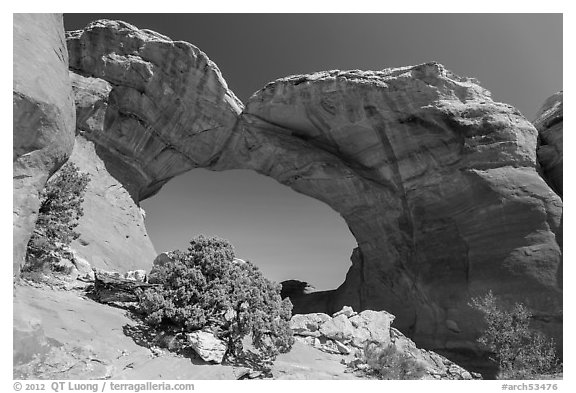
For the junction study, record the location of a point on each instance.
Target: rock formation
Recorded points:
(295, 288)
(168, 109)
(207, 346)
(436, 181)
(550, 134)
(148, 109)
(116, 240)
(43, 128)
(348, 333)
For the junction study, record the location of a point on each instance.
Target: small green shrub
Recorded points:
(521, 352)
(60, 209)
(204, 287)
(389, 363)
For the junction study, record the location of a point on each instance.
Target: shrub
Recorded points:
(60, 208)
(521, 352)
(389, 363)
(204, 287)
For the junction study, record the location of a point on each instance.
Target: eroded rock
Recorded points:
(148, 109)
(370, 332)
(549, 122)
(308, 324)
(43, 122)
(436, 181)
(338, 328)
(347, 311)
(208, 347)
(169, 109)
(371, 326)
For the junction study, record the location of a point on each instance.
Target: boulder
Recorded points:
(338, 328)
(371, 329)
(371, 326)
(43, 118)
(549, 123)
(347, 311)
(308, 324)
(209, 348)
(343, 349)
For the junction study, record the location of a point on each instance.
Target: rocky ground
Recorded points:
(63, 334)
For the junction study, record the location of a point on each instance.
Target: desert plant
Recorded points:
(60, 208)
(206, 288)
(386, 362)
(521, 351)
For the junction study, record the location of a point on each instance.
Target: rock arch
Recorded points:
(437, 182)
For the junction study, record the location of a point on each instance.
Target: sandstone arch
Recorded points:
(437, 182)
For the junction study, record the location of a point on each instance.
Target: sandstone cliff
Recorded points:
(168, 108)
(437, 182)
(43, 128)
(549, 122)
(148, 109)
(117, 239)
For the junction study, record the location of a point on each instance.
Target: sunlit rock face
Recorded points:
(112, 231)
(43, 122)
(148, 109)
(549, 123)
(437, 182)
(168, 109)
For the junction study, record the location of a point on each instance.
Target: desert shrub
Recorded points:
(386, 362)
(520, 351)
(60, 208)
(205, 288)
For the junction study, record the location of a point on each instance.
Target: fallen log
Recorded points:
(110, 288)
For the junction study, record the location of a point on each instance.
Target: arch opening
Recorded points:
(289, 236)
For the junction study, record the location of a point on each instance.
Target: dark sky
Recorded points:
(516, 56)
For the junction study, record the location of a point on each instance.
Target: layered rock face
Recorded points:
(437, 182)
(148, 109)
(168, 108)
(43, 128)
(549, 122)
(112, 231)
